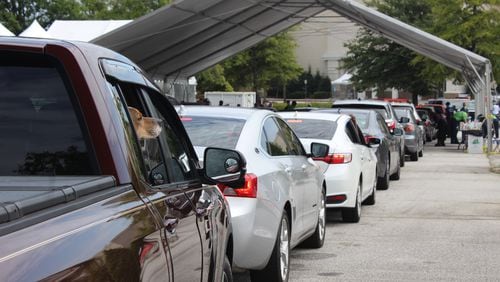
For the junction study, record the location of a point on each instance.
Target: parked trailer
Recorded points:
(233, 99)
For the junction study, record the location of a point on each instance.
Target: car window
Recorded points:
(275, 144)
(313, 128)
(293, 142)
(223, 132)
(351, 132)
(383, 126)
(40, 132)
(179, 164)
(404, 112)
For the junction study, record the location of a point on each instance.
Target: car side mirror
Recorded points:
(319, 150)
(224, 166)
(374, 142)
(398, 132)
(404, 120)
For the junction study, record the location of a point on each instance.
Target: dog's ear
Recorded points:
(135, 112)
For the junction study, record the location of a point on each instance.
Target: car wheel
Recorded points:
(318, 238)
(401, 159)
(397, 174)
(421, 153)
(370, 201)
(277, 268)
(383, 182)
(414, 157)
(227, 273)
(353, 214)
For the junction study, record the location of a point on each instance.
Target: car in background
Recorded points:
(388, 152)
(281, 203)
(414, 137)
(349, 167)
(420, 124)
(382, 107)
(428, 117)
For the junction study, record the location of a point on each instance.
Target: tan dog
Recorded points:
(145, 127)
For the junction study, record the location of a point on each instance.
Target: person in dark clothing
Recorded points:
(453, 126)
(442, 127)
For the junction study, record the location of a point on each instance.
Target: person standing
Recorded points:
(459, 117)
(449, 116)
(442, 128)
(453, 126)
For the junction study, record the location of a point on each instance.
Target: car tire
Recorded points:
(227, 272)
(397, 174)
(277, 269)
(401, 159)
(421, 153)
(353, 214)
(370, 201)
(318, 238)
(414, 157)
(383, 182)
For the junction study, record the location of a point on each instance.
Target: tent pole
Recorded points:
(488, 106)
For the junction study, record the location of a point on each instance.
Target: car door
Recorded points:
(172, 187)
(365, 155)
(273, 140)
(392, 142)
(305, 177)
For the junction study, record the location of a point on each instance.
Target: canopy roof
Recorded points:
(344, 79)
(189, 36)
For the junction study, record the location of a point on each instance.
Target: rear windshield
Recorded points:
(402, 112)
(39, 130)
(362, 119)
(213, 131)
(378, 108)
(313, 128)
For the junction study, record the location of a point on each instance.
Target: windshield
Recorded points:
(213, 131)
(313, 128)
(378, 108)
(402, 112)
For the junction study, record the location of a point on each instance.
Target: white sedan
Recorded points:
(349, 168)
(282, 202)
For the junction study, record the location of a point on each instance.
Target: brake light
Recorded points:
(391, 124)
(336, 158)
(409, 128)
(249, 190)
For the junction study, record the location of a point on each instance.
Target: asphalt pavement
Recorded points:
(439, 222)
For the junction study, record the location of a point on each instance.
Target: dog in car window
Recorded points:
(145, 127)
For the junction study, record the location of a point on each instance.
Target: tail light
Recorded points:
(336, 158)
(391, 124)
(336, 199)
(249, 190)
(427, 123)
(409, 128)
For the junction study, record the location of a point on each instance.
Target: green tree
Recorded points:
(377, 61)
(17, 15)
(471, 24)
(271, 60)
(213, 79)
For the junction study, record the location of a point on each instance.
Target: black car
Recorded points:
(374, 127)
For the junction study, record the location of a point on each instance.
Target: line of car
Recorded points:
(298, 165)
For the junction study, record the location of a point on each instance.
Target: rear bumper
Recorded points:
(341, 179)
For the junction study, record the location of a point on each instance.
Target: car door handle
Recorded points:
(304, 167)
(171, 224)
(288, 170)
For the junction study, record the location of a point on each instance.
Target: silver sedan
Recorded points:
(282, 202)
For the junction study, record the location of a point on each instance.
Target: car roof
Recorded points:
(311, 115)
(402, 105)
(221, 111)
(361, 102)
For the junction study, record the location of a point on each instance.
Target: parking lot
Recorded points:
(439, 222)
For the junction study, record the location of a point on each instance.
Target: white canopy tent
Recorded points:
(35, 30)
(189, 36)
(4, 31)
(83, 30)
(343, 79)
